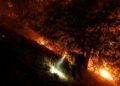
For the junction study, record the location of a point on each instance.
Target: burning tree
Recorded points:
(75, 26)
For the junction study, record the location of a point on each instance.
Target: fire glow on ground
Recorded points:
(104, 73)
(100, 71)
(56, 69)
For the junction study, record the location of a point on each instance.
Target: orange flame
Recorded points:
(100, 71)
(32, 35)
(104, 73)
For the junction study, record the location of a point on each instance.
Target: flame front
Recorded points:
(100, 71)
(104, 73)
(33, 35)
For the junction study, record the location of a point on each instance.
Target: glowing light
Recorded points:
(58, 72)
(104, 73)
(42, 43)
(90, 65)
(56, 69)
(62, 59)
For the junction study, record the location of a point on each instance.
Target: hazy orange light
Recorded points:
(42, 43)
(100, 71)
(104, 73)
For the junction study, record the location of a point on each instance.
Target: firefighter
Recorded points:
(77, 64)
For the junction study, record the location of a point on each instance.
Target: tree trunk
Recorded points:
(87, 59)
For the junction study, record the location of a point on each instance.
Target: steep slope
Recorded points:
(22, 64)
